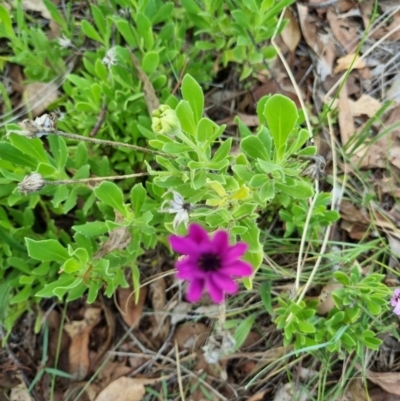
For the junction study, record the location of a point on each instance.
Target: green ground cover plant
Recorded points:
(77, 211)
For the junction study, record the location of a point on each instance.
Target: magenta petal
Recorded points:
(236, 251)
(182, 244)
(216, 293)
(397, 309)
(225, 283)
(220, 242)
(188, 269)
(195, 290)
(198, 234)
(238, 269)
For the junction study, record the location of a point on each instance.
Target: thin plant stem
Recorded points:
(309, 128)
(87, 180)
(111, 143)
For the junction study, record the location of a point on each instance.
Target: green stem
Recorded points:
(111, 143)
(88, 180)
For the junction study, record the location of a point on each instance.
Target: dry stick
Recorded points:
(111, 143)
(178, 372)
(100, 120)
(307, 119)
(328, 230)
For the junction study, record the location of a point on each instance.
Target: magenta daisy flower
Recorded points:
(209, 264)
(395, 301)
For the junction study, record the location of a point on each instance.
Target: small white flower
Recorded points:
(64, 42)
(110, 58)
(179, 206)
(31, 183)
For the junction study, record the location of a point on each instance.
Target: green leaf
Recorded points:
(56, 15)
(30, 147)
(342, 277)
(125, 29)
(99, 19)
(138, 196)
(223, 151)
(206, 130)
(13, 155)
(265, 293)
(267, 191)
(296, 189)
(110, 194)
(46, 250)
(186, 117)
(306, 327)
(150, 62)
(91, 229)
(145, 30)
(6, 23)
(258, 180)
(242, 331)
(373, 307)
(59, 150)
(253, 146)
(22, 295)
(371, 342)
(192, 92)
(281, 115)
(301, 138)
(90, 32)
(174, 147)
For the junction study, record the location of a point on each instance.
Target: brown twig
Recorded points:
(100, 120)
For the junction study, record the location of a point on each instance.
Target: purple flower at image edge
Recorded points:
(209, 264)
(395, 301)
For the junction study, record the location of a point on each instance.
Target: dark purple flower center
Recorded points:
(209, 262)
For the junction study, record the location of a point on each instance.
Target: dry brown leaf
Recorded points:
(130, 311)
(180, 312)
(36, 5)
(322, 44)
(113, 371)
(160, 320)
(351, 60)
(78, 353)
(389, 381)
(119, 238)
(126, 389)
(345, 30)
(287, 393)
(191, 335)
(37, 96)
(79, 360)
(364, 106)
(325, 299)
(20, 392)
(346, 123)
(394, 156)
(291, 35)
(355, 391)
(260, 396)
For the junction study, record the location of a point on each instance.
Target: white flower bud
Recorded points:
(31, 183)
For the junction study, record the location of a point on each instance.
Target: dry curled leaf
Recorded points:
(160, 320)
(352, 61)
(191, 336)
(291, 35)
(131, 311)
(126, 389)
(389, 381)
(37, 96)
(325, 299)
